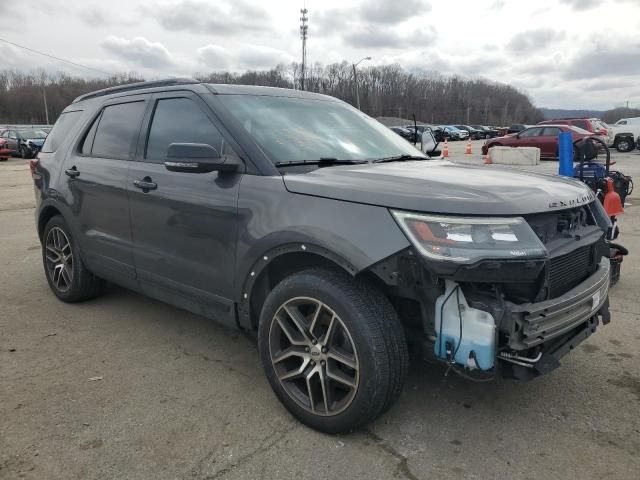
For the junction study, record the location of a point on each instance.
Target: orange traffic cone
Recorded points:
(612, 202)
(468, 150)
(445, 150)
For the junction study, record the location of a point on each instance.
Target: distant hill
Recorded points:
(609, 116)
(551, 113)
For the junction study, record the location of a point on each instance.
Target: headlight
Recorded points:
(467, 240)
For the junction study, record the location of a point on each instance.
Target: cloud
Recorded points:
(599, 63)
(214, 57)
(533, 40)
(97, 16)
(252, 57)
(212, 18)
(392, 12)
(582, 4)
(370, 37)
(140, 51)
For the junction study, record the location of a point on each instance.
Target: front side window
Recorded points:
(531, 132)
(66, 121)
(117, 130)
(180, 120)
(297, 129)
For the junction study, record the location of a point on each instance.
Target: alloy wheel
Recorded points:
(59, 259)
(314, 356)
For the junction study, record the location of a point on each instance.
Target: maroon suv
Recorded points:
(545, 137)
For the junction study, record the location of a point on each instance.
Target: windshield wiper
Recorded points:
(400, 158)
(320, 161)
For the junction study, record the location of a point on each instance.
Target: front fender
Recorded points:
(271, 218)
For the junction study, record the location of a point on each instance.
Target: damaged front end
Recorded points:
(506, 296)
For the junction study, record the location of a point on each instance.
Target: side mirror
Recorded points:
(198, 158)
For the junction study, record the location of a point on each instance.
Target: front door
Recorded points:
(184, 224)
(96, 180)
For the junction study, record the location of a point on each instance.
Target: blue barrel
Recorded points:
(565, 150)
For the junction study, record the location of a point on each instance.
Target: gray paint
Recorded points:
(443, 187)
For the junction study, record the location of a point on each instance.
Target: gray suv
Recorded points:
(299, 219)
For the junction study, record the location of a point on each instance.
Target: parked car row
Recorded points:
(23, 142)
(448, 132)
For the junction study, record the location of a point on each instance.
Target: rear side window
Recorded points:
(551, 131)
(117, 131)
(62, 128)
(180, 120)
(581, 124)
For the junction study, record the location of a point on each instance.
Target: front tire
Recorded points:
(624, 145)
(25, 153)
(333, 349)
(66, 273)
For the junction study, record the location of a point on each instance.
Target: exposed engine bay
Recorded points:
(513, 317)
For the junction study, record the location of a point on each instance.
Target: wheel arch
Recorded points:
(46, 214)
(273, 267)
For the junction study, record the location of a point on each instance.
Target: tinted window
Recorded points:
(531, 132)
(88, 139)
(180, 120)
(60, 130)
(622, 122)
(551, 131)
(118, 130)
(581, 124)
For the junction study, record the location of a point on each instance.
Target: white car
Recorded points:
(603, 130)
(626, 125)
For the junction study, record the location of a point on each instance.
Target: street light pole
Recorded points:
(355, 79)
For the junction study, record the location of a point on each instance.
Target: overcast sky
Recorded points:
(564, 53)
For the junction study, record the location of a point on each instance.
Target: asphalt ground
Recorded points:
(124, 387)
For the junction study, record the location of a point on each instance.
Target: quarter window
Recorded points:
(180, 120)
(60, 130)
(117, 131)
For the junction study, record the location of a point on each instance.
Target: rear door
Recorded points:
(185, 226)
(548, 142)
(96, 179)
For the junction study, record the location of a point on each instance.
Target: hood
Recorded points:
(442, 187)
(36, 141)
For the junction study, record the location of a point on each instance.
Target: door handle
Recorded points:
(145, 184)
(72, 172)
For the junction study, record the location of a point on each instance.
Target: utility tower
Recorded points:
(303, 35)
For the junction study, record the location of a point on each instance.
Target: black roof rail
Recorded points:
(167, 82)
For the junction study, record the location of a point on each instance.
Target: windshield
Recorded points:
(32, 134)
(296, 129)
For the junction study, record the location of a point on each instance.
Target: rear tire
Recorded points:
(66, 273)
(329, 395)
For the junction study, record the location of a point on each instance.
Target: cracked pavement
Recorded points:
(127, 387)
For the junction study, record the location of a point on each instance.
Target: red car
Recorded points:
(544, 137)
(5, 152)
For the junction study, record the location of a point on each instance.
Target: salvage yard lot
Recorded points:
(127, 387)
